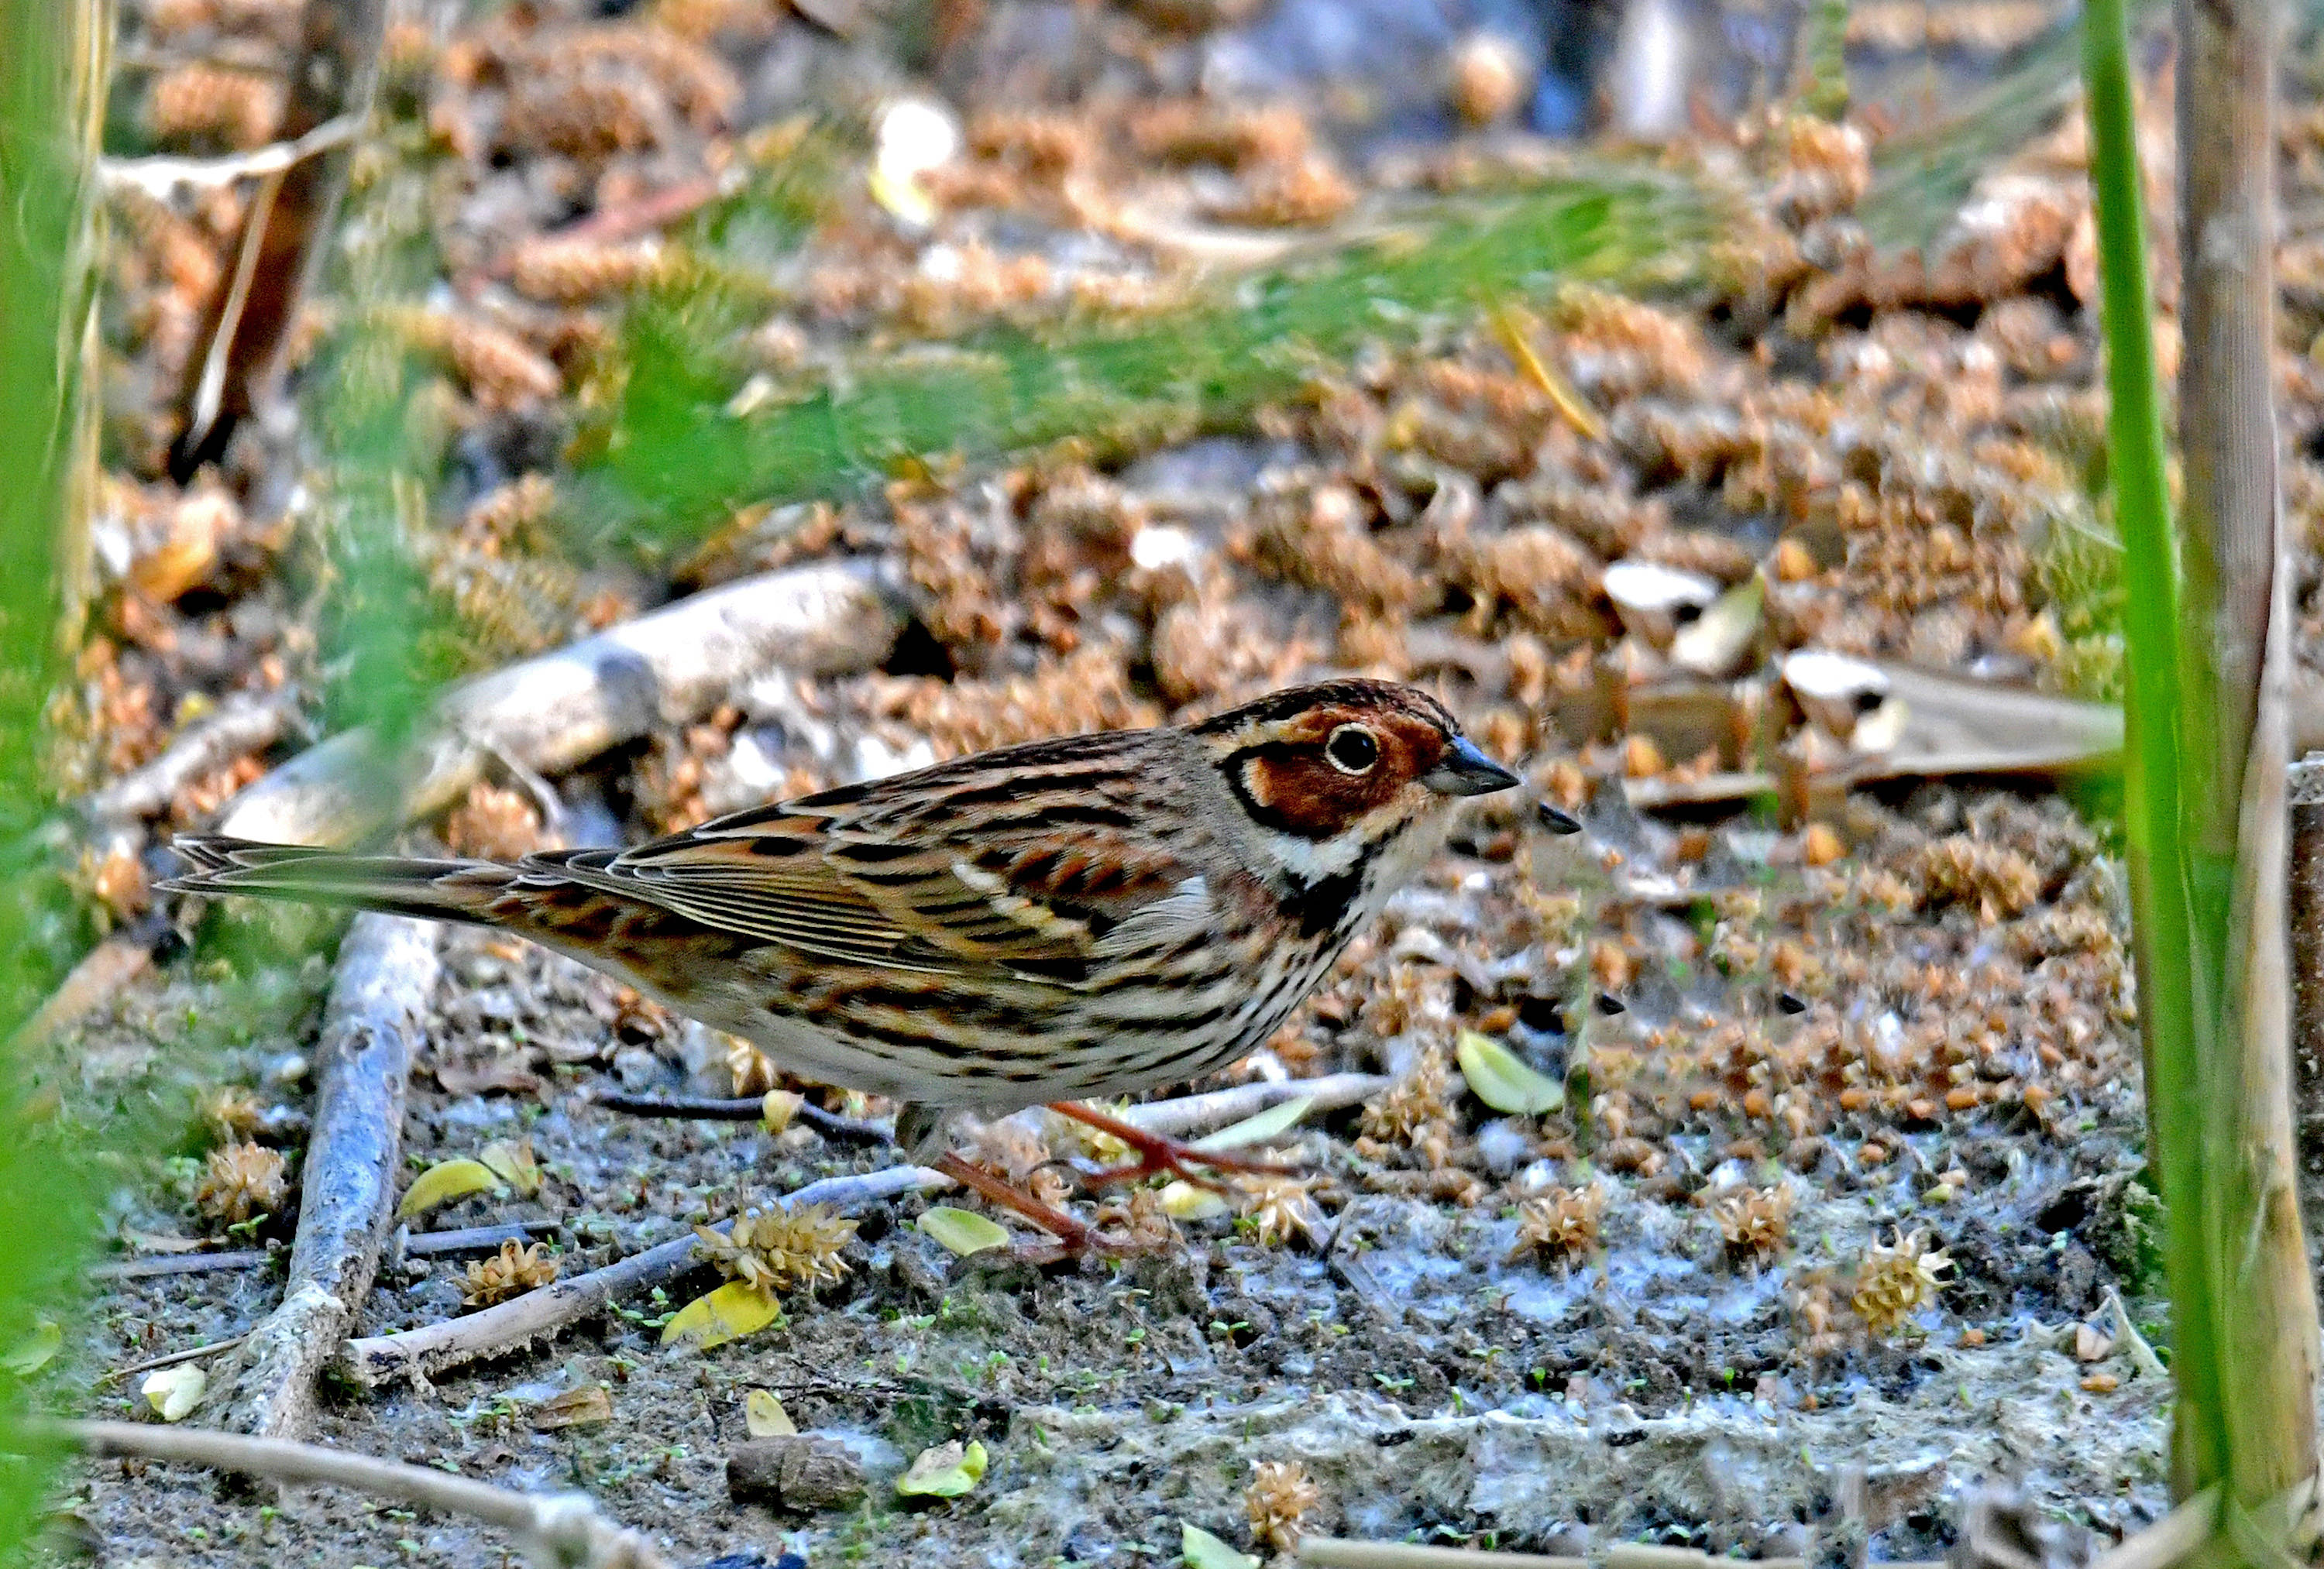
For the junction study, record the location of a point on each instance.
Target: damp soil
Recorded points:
(1437, 1380)
(1803, 1044)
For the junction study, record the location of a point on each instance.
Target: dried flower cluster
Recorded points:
(511, 1271)
(191, 103)
(1281, 1208)
(1896, 1281)
(751, 1071)
(1415, 1104)
(1995, 880)
(241, 1180)
(1281, 1495)
(670, 784)
(233, 1111)
(1754, 1222)
(778, 1250)
(1141, 1218)
(493, 823)
(1087, 691)
(500, 368)
(1561, 1224)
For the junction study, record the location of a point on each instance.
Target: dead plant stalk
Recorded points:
(2237, 659)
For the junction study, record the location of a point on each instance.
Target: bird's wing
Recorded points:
(1044, 884)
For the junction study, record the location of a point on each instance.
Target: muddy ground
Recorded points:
(1809, 1038)
(1655, 1385)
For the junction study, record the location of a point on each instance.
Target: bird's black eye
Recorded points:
(1353, 749)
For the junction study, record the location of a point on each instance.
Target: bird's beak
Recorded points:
(1463, 770)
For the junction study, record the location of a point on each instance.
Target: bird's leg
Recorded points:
(1074, 1236)
(1157, 1154)
(920, 1132)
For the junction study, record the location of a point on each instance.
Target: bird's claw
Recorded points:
(1158, 1155)
(1075, 1238)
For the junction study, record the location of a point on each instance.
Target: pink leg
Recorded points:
(1074, 1236)
(1158, 1155)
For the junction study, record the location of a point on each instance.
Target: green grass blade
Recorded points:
(675, 462)
(1921, 178)
(52, 66)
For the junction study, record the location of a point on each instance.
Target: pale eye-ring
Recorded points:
(1353, 749)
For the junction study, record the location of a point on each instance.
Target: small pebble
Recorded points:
(797, 1471)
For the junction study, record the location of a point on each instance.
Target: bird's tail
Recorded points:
(431, 890)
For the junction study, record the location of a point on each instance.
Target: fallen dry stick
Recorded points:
(482, 1239)
(179, 1264)
(551, 714)
(1192, 1113)
(160, 176)
(415, 1353)
(242, 725)
(167, 1359)
(741, 1108)
(1197, 1113)
(1954, 727)
(544, 716)
(103, 972)
(554, 1531)
(387, 971)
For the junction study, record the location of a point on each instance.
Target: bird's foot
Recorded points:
(1158, 1155)
(1076, 1237)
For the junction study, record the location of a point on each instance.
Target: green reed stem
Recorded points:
(2154, 753)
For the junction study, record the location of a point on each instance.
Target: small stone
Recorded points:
(637, 1069)
(797, 1471)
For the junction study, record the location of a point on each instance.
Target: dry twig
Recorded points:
(1196, 1113)
(427, 1244)
(103, 972)
(415, 1353)
(557, 1531)
(167, 1359)
(387, 971)
(159, 175)
(1192, 1113)
(241, 726)
(553, 713)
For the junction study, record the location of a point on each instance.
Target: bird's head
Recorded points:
(1346, 764)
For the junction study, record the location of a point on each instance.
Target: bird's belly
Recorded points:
(1202, 1037)
(939, 1042)
(932, 1039)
